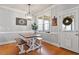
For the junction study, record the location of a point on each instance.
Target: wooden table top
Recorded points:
(30, 36)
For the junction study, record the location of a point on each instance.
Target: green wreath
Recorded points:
(67, 21)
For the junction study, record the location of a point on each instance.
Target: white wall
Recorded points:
(8, 21)
(8, 27)
(8, 18)
(56, 10)
(64, 38)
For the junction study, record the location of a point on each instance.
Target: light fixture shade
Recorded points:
(29, 17)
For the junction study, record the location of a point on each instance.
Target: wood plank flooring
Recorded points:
(47, 49)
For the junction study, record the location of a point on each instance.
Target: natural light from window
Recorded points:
(68, 27)
(43, 25)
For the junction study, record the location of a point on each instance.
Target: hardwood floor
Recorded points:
(47, 49)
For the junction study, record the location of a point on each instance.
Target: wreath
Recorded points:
(67, 20)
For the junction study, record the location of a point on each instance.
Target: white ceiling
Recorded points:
(35, 8)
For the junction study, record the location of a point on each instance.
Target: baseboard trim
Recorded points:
(7, 42)
(51, 43)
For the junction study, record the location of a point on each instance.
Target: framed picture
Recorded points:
(21, 21)
(54, 21)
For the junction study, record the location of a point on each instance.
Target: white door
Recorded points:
(69, 39)
(75, 42)
(66, 40)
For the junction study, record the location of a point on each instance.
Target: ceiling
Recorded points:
(35, 8)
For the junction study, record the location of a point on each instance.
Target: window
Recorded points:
(68, 27)
(46, 25)
(43, 25)
(40, 25)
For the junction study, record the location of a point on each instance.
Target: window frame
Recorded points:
(43, 26)
(72, 26)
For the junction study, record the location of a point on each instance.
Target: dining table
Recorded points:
(33, 41)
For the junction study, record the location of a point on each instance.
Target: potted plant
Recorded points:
(34, 27)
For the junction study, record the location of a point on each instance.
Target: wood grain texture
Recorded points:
(47, 49)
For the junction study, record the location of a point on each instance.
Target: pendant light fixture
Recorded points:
(28, 15)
